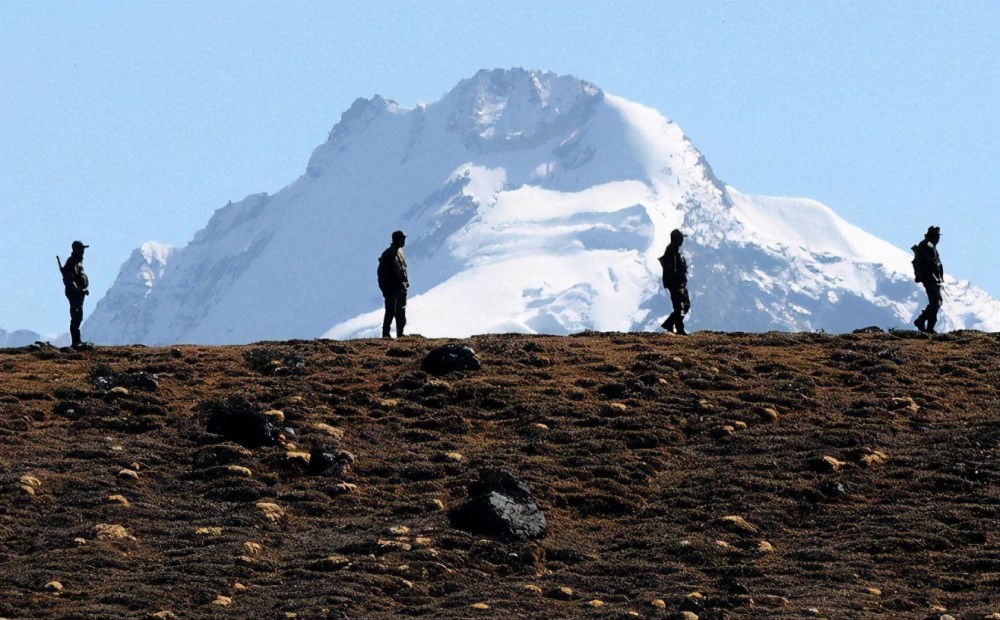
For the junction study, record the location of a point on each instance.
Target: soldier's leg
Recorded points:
(933, 305)
(676, 318)
(400, 313)
(75, 320)
(390, 312)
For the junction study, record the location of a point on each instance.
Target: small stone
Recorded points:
(276, 416)
(688, 615)
(739, 524)
(561, 593)
(765, 547)
(54, 586)
(694, 602)
(252, 548)
(724, 545)
(533, 589)
(118, 391)
(905, 403)
(166, 614)
(618, 406)
(393, 545)
(480, 606)
(874, 591)
(296, 455)
(332, 431)
(105, 531)
(399, 530)
(832, 464)
(346, 488)
(208, 531)
(814, 611)
(238, 471)
(939, 609)
(291, 615)
(330, 563)
(596, 603)
(30, 484)
(273, 512)
(80, 541)
(874, 458)
(770, 414)
(946, 617)
(433, 505)
(239, 587)
(422, 542)
(659, 603)
(223, 601)
(119, 499)
(454, 457)
(129, 474)
(540, 426)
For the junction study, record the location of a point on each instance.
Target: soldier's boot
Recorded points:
(680, 327)
(921, 322)
(669, 323)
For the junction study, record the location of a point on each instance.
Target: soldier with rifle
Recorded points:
(76, 284)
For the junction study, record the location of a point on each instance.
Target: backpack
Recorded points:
(918, 266)
(384, 272)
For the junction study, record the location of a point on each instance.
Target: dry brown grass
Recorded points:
(777, 475)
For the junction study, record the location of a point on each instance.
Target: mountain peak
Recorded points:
(503, 109)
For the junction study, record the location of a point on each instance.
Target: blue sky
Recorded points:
(123, 122)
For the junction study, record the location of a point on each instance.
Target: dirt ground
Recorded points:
(714, 476)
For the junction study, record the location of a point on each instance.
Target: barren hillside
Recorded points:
(718, 476)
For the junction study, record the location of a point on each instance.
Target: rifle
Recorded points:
(59, 262)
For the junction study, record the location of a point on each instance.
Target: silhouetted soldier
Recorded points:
(393, 281)
(928, 271)
(76, 283)
(675, 280)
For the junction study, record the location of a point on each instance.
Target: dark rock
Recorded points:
(873, 329)
(237, 420)
(499, 505)
(450, 358)
(320, 461)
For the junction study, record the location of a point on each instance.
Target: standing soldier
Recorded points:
(76, 283)
(675, 280)
(393, 281)
(928, 271)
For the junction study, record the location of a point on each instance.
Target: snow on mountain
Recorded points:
(532, 202)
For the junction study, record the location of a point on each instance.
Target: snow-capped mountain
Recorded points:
(533, 203)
